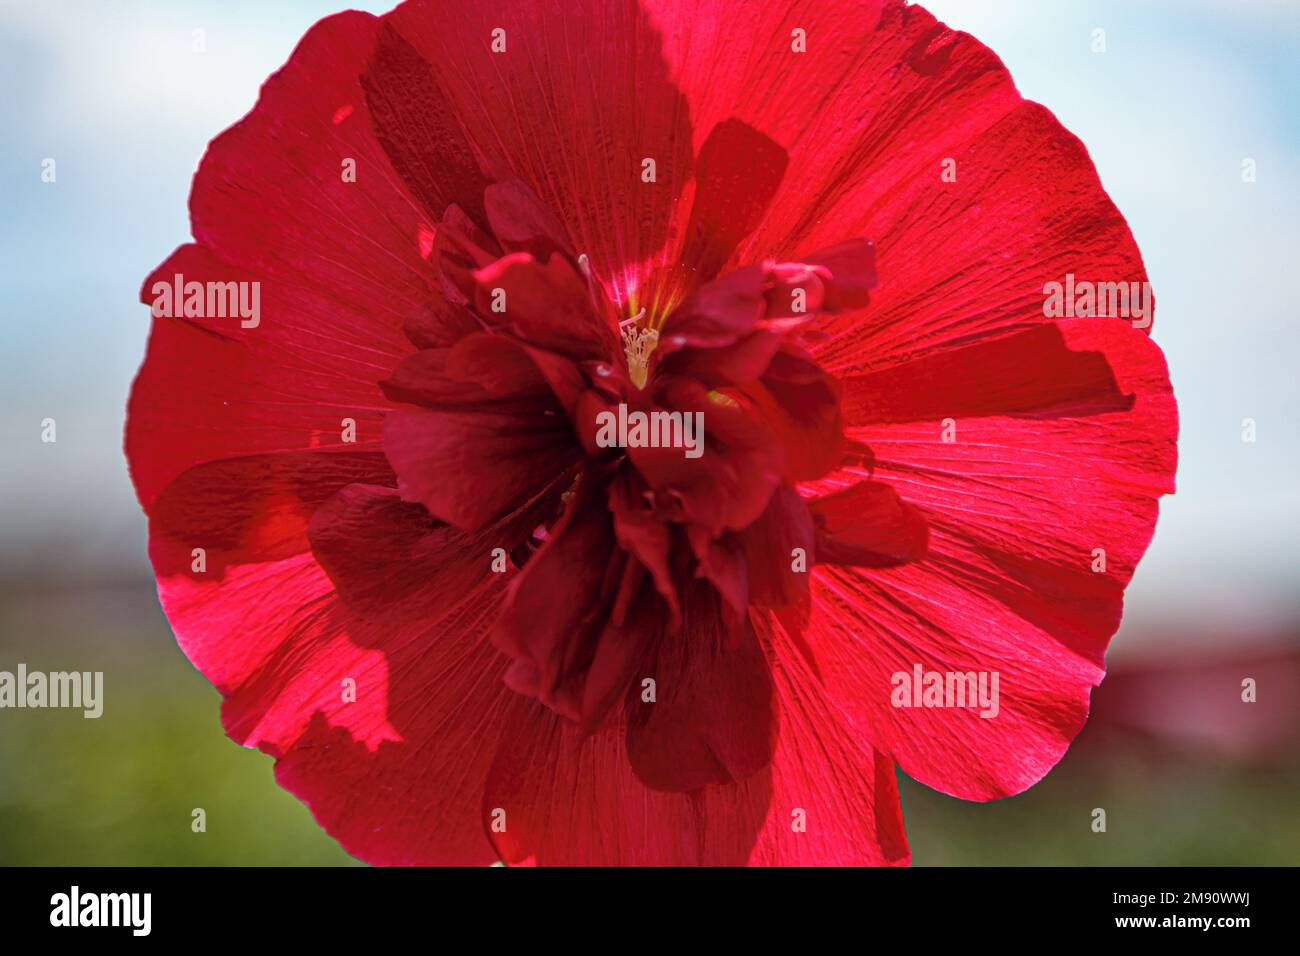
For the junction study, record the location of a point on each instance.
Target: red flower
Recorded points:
(387, 525)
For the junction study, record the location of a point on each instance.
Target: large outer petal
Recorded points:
(339, 263)
(867, 116)
(1016, 507)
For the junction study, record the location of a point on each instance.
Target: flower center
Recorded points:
(638, 342)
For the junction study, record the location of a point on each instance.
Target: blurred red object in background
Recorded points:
(1202, 701)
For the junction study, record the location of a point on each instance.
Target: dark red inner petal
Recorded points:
(409, 110)
(738, 171)
(569, 651)
(868, 525)
(1032, 373)
(714, 714)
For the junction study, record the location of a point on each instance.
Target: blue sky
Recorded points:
(1184, 91)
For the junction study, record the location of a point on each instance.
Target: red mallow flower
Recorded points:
(385, 524)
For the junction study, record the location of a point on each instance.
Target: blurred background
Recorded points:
(1184, 92)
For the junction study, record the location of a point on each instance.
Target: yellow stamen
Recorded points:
(638, 342)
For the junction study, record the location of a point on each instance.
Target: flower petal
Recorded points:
(561, 77)
(1030, 372)
(771, 544)
(547, 304)
(714, 716)
(736, 175)
(826, 799)
(395, 769)
(419, 129)
(868, 525)
(211, 389)
(565, 621)
(337, 263)
(471, 466)
(1020, 509)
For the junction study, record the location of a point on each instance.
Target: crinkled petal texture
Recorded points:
(348, 627)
